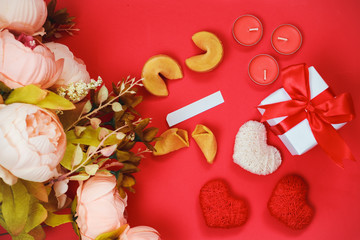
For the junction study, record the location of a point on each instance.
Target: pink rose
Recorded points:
(21, 65)
(32, 142)
(99, 208)
(27, 16)
(74, 70)
(140, 233)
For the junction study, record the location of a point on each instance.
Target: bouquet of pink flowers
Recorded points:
(59, 125)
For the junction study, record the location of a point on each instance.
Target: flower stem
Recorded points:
(87, 116)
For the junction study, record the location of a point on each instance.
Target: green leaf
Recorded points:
(55, 220)
(23, 236)
(122, 156)
(37, 190)
(90, 137)
(73, 212)
(54, 101)
(129, 168)
(37, 215)
(15, 206)
(51, 7)
(112, 235)
(74, 205)
(29, 94)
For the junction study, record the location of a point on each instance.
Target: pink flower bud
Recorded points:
(23, 16)
(100, 208)
(74, 68)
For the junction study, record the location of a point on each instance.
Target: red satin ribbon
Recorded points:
(321, 112)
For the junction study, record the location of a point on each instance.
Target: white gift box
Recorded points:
(300, 138)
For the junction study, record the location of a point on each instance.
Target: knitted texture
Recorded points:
(251, 151)
(219, 208)
(288, 202)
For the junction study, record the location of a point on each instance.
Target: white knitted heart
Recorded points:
(251, 151)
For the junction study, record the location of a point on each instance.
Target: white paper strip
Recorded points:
(194, 108)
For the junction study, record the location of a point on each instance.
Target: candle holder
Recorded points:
(263, 69)
(286, 39)
(247, 30)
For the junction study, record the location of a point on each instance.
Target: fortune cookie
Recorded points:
(206, 140)
(171, 140)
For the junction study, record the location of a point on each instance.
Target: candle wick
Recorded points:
(282, 38)
(264, 74)
(253, 29)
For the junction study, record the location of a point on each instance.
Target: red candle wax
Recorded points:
(263, 69)
(247, 30)
(286, 39)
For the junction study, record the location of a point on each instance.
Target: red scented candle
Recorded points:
(263, 69)
(247, 30)
(286, 39)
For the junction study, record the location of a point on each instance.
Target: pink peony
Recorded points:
(74, 68)
(99, 208)
(140, 233)
(21, 65)
(32, 142)
(23, 16)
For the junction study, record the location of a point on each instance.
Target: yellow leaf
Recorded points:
(116, 107)
(32, 94)
(77, 156)
(52, 204)
(68, 156)
(38, 233)
(80, 177)
(23, 236)
(103, 94)
(87, 107)
(128, 181)
(69, 117)
(91, 169)
(37, 215)
(54, 101)
(37, 189)
(112, 235)
(90, 137)
(55, 220)
(15, 206)
(29, 94)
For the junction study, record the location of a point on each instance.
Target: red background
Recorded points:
(116, 39)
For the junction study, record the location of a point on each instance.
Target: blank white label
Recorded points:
(194, 108)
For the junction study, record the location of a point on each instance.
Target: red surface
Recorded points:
(116, 39)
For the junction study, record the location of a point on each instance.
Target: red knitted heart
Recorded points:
(288, 202)
(221, 210)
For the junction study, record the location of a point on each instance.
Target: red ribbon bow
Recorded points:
(321, 112)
